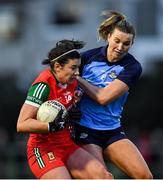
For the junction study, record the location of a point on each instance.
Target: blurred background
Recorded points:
(30, 28)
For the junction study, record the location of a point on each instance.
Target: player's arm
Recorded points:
(27, 120)
(116, 88)
(104, 95)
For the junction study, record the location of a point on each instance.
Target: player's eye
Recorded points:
(116, 41)
(74, 68)
(127, 43)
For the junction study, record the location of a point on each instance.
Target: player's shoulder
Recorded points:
(91, 52)
(44, 76)
(130, 58)
(133, 63)
(39, 90)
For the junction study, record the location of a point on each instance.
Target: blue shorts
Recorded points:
(102, 138)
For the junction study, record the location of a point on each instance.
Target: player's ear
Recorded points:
(57, 66)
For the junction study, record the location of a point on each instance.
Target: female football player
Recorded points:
(51, 152)
(107, 74)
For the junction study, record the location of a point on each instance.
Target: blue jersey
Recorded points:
(96, 69)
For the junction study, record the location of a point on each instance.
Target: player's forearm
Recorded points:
(91, 90)
(104, 95)
(32, 126)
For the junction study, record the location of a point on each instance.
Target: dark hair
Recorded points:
(64, 50)
(115, 20)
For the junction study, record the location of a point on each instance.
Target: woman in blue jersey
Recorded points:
(107, 74)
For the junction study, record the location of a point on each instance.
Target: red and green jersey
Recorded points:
(45, 87)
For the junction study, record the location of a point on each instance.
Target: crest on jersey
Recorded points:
(113, 74)
(83, 135)
(51, 156)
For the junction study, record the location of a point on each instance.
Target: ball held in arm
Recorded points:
(54, 113)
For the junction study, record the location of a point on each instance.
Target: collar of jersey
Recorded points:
(104, 50)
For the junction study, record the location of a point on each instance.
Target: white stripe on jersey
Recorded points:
(42, 91)
(36, 89)
(39, 90)
(32, 103)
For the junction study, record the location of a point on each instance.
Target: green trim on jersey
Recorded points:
(37, 94)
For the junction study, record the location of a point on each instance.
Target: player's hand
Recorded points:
(58, 123)
(77, 96)
(74, 114)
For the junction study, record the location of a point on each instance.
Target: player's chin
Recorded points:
(70, 81)
(117, 58)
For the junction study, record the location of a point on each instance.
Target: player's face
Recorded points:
(119, 44)
(67, 73)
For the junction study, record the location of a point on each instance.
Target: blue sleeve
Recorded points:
(130, 74)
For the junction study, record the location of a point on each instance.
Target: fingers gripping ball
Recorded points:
(54, 113)
(49, 110)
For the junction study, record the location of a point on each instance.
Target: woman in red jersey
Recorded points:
(51, 152)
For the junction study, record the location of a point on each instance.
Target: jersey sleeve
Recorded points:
(37, 94)
(130, 74)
